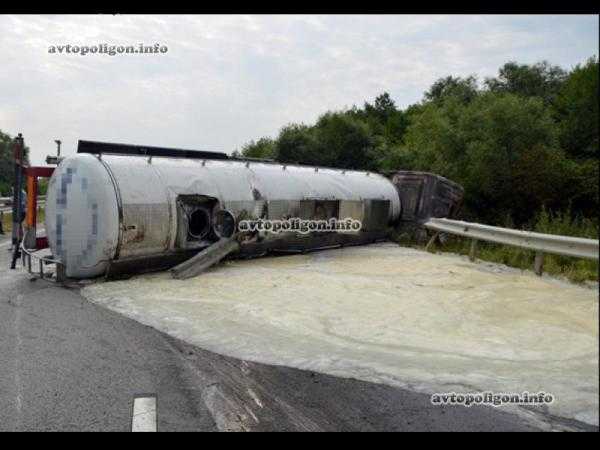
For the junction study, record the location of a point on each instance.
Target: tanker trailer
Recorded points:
(114, 208)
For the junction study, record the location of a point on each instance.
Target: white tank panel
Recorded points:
(82, 216)
(146, 206)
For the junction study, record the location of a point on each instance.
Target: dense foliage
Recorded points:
(7, 171)
(519, 142)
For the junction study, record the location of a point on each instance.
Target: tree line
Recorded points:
(7, 168)
(519, 142)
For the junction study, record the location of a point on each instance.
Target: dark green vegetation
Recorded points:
(7, 170)
(524, 144)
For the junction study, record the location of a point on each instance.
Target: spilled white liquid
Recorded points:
(388, 314)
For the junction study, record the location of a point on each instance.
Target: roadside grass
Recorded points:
(7, 220)
(576, 270)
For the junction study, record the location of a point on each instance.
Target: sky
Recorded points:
(226, 80)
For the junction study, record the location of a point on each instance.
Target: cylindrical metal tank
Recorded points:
(102, 209)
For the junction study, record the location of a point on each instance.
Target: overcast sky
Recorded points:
(228, 79)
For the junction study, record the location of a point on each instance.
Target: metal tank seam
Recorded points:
(172, 233)
(119, 207)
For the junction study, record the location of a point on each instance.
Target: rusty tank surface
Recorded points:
(113, 208)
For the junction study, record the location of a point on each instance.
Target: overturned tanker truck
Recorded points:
(115, 209)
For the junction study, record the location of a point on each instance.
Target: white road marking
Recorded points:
(19, 348)
(144, 414)
(255, 398)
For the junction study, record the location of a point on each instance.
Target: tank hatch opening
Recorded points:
(224, 224)
(198, 224)
(194, 221)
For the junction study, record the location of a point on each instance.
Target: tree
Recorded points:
(577, 111)
(539, 80)
(382, 108)
(7, 174)
(433, 139)
(383, 118)
(463, 89)
(298, 144)
(501, 148)
(337, 140)
(265, 147)
(344, 141)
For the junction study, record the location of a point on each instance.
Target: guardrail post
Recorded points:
(473, 250)
(538, 265)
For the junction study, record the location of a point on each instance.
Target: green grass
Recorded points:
(576, 270)
(7, 220)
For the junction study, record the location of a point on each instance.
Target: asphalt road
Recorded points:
(67, 364)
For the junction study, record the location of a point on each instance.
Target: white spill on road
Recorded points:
(383, 313)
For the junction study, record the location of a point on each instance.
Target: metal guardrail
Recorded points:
(539, 242)
(8, 200)
(9, 208)
(547, 243)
